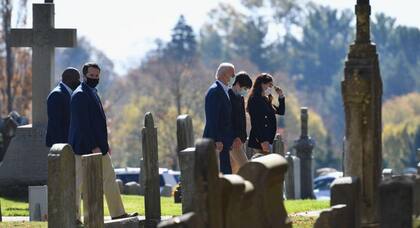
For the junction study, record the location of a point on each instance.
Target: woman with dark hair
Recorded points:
(263, 114)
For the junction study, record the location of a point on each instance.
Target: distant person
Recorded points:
(88, 134)
(237, 93)
(58, 107)
(218, 110)
(263, 114)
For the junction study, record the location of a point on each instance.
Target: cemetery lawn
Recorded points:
(19, 207)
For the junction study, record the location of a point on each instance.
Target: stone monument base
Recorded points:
(25, 162)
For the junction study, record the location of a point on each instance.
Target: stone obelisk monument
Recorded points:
(25, 162)
(304, 146)
(362, 95)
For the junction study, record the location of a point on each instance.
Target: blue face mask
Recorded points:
(243, 92)
(231, 81)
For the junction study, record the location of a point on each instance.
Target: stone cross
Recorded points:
(362, 96)
(150, 173)
(43, 38)
(304, 146)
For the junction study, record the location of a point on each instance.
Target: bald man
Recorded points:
(218, 110)
(58, 107)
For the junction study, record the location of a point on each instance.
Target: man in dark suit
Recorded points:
(88, 134)
(237, 93)
(218, 111)
(58, 107)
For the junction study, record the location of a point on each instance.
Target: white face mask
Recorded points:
(267, 91)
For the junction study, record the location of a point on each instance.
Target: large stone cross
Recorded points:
(43, 38)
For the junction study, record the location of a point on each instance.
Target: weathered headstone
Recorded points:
(346, 190)
(362, 97)
(185, 132)
(7, 131)
(387, 173)
(185, 136)
(93, 191)
(267, 175)
(278, 145)
(61, 187)
(166, 191)
(23, 166)
(38, 203)
(396, 202)
(150, 179)
(334, 217)
(132, 188)
(292, 177)
(187, 164)
(207, 193)
(304, 146)
(233, 187)
(187, 220)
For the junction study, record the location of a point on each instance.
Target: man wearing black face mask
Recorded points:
(58, 107)
(88, 134)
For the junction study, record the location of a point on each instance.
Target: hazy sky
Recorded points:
(125, 30)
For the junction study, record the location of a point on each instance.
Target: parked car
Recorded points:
(166, 176)
(322, 185)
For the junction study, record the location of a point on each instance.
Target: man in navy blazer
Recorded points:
(218, 111)
(58, 107)
(88, 134)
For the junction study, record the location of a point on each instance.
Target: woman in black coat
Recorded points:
(263, 114)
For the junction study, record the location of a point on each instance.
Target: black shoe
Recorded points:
(135, 214)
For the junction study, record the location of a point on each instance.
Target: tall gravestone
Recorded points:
(25, 162)
(362, 94)
(61, 187)
(150, 178)
(207, 197)
(304, 146)
(186, 153)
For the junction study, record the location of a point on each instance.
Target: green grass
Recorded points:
(17, 207)
(295, 206)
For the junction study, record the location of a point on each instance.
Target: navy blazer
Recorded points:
(263, 120)
(88, 128)
(238, 116)
(218, 111)
(58, 110)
